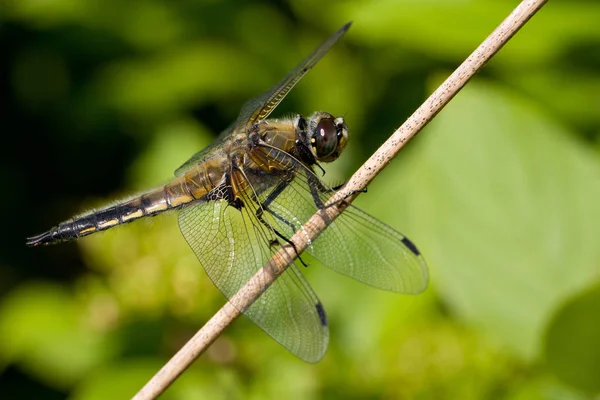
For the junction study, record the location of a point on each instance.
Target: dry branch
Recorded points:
(318, 222)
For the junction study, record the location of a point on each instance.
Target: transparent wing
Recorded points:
(355, 244)
(232, 245)
(206, 152)
(260, 107)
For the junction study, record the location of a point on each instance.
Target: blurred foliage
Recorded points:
(501, 193)
(576, 323)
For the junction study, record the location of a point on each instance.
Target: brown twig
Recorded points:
(318, 222)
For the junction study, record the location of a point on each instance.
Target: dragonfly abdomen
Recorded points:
(173, 195)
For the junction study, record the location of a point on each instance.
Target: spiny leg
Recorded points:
(315, 184)
(271, 197)
(259, 215)
(338, 187)
(265, 206)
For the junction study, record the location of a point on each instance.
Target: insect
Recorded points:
(247, 193)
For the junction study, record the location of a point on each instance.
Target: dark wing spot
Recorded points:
(411, 246)
(321, 312)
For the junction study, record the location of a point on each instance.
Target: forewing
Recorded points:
(354, 244)
(260, 107)
(232, 245)
(205, 153)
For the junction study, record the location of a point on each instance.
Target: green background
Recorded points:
(103, 99)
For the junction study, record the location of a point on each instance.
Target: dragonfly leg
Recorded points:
(259, 215)
(271, 197)
(338, 187)
(314, 187)
(265, 206)
(352, 193)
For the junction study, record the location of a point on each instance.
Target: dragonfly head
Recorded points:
(327, 136)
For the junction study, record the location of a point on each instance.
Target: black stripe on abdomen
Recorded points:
(104, 219)
(88, 224)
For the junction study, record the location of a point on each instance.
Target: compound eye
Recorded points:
(325, 138)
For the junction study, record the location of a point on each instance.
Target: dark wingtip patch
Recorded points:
(321, 312)
(411, 246)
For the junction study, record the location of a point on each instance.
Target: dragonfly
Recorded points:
(245, 195)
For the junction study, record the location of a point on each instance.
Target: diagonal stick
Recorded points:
(361, 178)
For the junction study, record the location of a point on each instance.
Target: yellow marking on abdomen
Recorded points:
(88, 230)
(108, 224)
(156, 207)
(180, 200)
(133, 215)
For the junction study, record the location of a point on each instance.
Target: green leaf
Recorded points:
(504, 205)
(118, 381)
(122, 380)
(447, 29)
(169, 81)
(40, 329)
(173, 143)
(572, 342)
